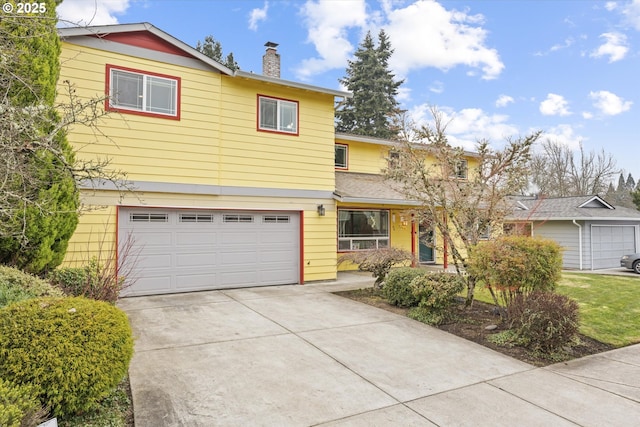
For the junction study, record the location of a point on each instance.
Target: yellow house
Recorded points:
(239, 178)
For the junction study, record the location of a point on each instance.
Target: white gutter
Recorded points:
(579, 241)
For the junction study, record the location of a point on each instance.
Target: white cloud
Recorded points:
(609, 103)
(452, 37)
(554, 105)
(98, 12)
(611, 5)
(467, 126)
(615, 47)
(563, 134)
(437, 87)
(632, 14)
(504, 100)
(256, 15)
(587, 115)
(327, 23)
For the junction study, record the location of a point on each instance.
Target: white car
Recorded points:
(631, 262)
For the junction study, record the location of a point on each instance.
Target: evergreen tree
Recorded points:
(213, 49)
(631, 183)
(40, 204)
(371, 109)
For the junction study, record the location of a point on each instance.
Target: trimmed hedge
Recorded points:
(436, 293)
(397, 286)
(16, 285)
(19, 406)
(74, 351)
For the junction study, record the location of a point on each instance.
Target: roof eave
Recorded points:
(98, 30)
(297, 85)
(371, 201)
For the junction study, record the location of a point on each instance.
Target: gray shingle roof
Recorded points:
(367, 188)
(569, 208)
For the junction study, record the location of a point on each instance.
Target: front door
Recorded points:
(426, 250)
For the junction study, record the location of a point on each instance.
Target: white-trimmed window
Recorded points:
(277, 115)
(143, 93)
(342, 156)
(361, 229)
(461, 170)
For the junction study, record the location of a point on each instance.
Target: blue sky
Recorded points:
(496, 68)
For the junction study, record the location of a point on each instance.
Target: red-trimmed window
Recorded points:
(141, 92)
(363, 229)
(342, 156)
(277, 115)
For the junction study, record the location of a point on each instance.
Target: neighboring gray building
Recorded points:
(593, 233)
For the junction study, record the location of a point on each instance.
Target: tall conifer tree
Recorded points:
(369, 112)
(40, 204)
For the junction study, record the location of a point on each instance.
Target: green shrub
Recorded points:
(94, 281)
(436, 293)
(16, 285)
(544, 321)
(18, 406)
(377, 261)
(515, 265)
(397, 286)
(74, 351)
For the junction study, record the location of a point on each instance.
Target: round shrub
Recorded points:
(397, 286)
(74, 351)
(437, 291)
(18, 406)
(16, 285)
(544, 321)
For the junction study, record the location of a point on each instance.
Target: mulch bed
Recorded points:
(471, 323)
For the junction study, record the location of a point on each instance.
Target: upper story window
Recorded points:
(141, 92)
(342, 156)
(277, 115)
(461, 170)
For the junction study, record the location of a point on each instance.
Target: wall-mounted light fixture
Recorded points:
(321, 210)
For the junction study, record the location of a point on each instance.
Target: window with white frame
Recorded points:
(342, 156)
(140, 92)
(362, 229)
(277, 115)
(461, 170)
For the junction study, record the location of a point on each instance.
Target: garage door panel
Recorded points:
(154, 260)
(185, 250)
(192, 238)
(195, 281)
(195, 259)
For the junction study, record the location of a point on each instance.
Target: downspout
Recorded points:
(413, 241)
(445, 248)
(579, 241)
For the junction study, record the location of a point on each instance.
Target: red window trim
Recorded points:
(349, 208)
(259, 129)
(346, 168)
(107, 102)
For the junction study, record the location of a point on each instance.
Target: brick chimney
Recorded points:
(271, 61)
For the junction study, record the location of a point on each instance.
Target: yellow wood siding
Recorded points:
(365, 157)
(266, 159)
(148, 148)
(216, 140)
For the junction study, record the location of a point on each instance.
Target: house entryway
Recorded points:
(426, 251)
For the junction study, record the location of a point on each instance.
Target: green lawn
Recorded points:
(609, 305)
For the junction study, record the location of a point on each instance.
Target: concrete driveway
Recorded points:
(301, 356)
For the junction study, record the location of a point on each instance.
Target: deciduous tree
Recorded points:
(557, 171)
(461, 209)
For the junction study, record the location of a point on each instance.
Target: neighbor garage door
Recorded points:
(610, 242)
(191, 250)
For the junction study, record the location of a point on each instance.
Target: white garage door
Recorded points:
(192, 250)
(610, 242)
